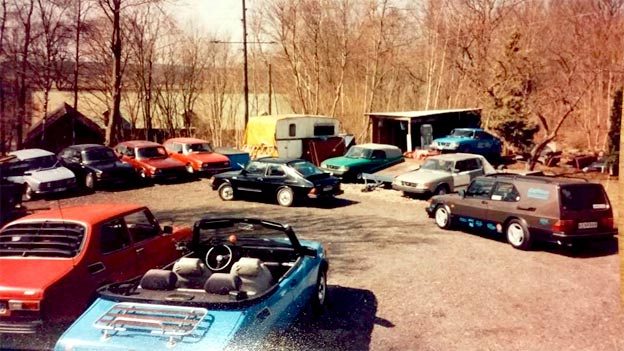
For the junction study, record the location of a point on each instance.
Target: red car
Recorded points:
(150, 159)
(197, 155)
(52, 262)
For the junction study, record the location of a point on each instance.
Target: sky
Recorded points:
(222, 17)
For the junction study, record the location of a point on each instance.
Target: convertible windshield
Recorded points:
(199, 147)
(305, 168)
(437, 165)
(42, 239)
(461, 133)
(152, 152)
(240, 232)
(358, 152)
(99, 154)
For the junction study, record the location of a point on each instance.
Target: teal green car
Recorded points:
(365, 158)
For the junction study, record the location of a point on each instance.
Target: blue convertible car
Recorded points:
(242, 278)
(470, 140)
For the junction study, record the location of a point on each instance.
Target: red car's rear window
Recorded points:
(42, 239)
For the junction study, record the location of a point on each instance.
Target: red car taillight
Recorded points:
(607, 223)
(313, 191)
(563, 226)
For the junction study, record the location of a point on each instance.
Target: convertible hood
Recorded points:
(50, 174)
(346, 161)
(207, 157)
(162, 162)
(215, 332)
(28, 277)
(423, 176)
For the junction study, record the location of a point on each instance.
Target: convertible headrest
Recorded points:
(159, 279)
(222, 283)
(189, 267)
(247, 266)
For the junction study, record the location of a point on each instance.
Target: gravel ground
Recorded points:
(400, 283)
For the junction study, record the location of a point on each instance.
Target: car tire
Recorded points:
(518, 235)
(442, 216)
(319, 299)
(285, 196)
(226, 192)
(441, 190)
(89, 181)
(29, 194)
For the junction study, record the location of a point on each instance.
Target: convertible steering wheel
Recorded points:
(219, 257)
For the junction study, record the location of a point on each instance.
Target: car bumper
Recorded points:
(567, 238)
(335, 172)
(410, 189)
(213, 170)
(20, 327)
(54, 190)
(326, 194)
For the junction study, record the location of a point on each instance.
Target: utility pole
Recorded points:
(246, 88)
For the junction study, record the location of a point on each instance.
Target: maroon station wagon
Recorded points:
(529, 208)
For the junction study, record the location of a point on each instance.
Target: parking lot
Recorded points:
(397, 282)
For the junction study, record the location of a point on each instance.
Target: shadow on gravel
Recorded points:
(346, 324)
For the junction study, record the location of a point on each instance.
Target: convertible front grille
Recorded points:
(170, 321)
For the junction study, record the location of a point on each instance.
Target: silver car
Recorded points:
(443, 174)
(40, 173)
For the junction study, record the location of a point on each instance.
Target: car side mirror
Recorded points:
(462, 193)
(167, 229)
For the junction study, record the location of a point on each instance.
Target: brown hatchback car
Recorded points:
(528, 208)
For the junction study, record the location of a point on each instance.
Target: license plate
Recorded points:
(327, 188)
(4, 309)
(587, 225)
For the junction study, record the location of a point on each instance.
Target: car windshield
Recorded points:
(40, 162)
(152, 152)
(358, 152)
(199, 147)
(48, 238)
(579, 197)
(99, 154)
(240, 232)
(461, 133)
(438, 165)
(305, 168)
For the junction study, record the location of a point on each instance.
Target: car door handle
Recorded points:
(140, 249)
(264, 314)
(526, 208)
(96, 268)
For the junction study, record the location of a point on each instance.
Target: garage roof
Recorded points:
(408, 115)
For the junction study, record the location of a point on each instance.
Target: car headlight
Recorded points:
(422, 186)
(454, 145)
(344, 168)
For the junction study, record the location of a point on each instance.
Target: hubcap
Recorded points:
(321, 290)
(285, 197)
(441, 217)
(515, 234)
(227, 193)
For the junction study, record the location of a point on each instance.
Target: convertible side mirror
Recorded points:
(462, 193)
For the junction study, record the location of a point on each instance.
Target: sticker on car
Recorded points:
(536, 193)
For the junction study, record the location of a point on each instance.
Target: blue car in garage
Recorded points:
(470, 140)
(241, 279)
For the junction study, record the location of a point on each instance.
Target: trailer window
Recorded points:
(324, 130)
(292, 129)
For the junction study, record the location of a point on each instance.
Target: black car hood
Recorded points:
(227, 175)
(108, 166)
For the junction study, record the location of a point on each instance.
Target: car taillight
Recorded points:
(563, 226)
(313, 191)
(18, 305)
(607, 222)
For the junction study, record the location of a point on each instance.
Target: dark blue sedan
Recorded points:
(242, 279)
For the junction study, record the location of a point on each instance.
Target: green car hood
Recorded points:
(343, 161)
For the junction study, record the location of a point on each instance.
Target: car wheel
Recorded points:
(226, 192)
(89, 181)
(29, 194)
(189, 169)
(518, 235)
(319, 299)
(443, 217)
(285, 197)
(441, 190)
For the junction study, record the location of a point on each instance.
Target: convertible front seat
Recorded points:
(192, 273)
(255, 276)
